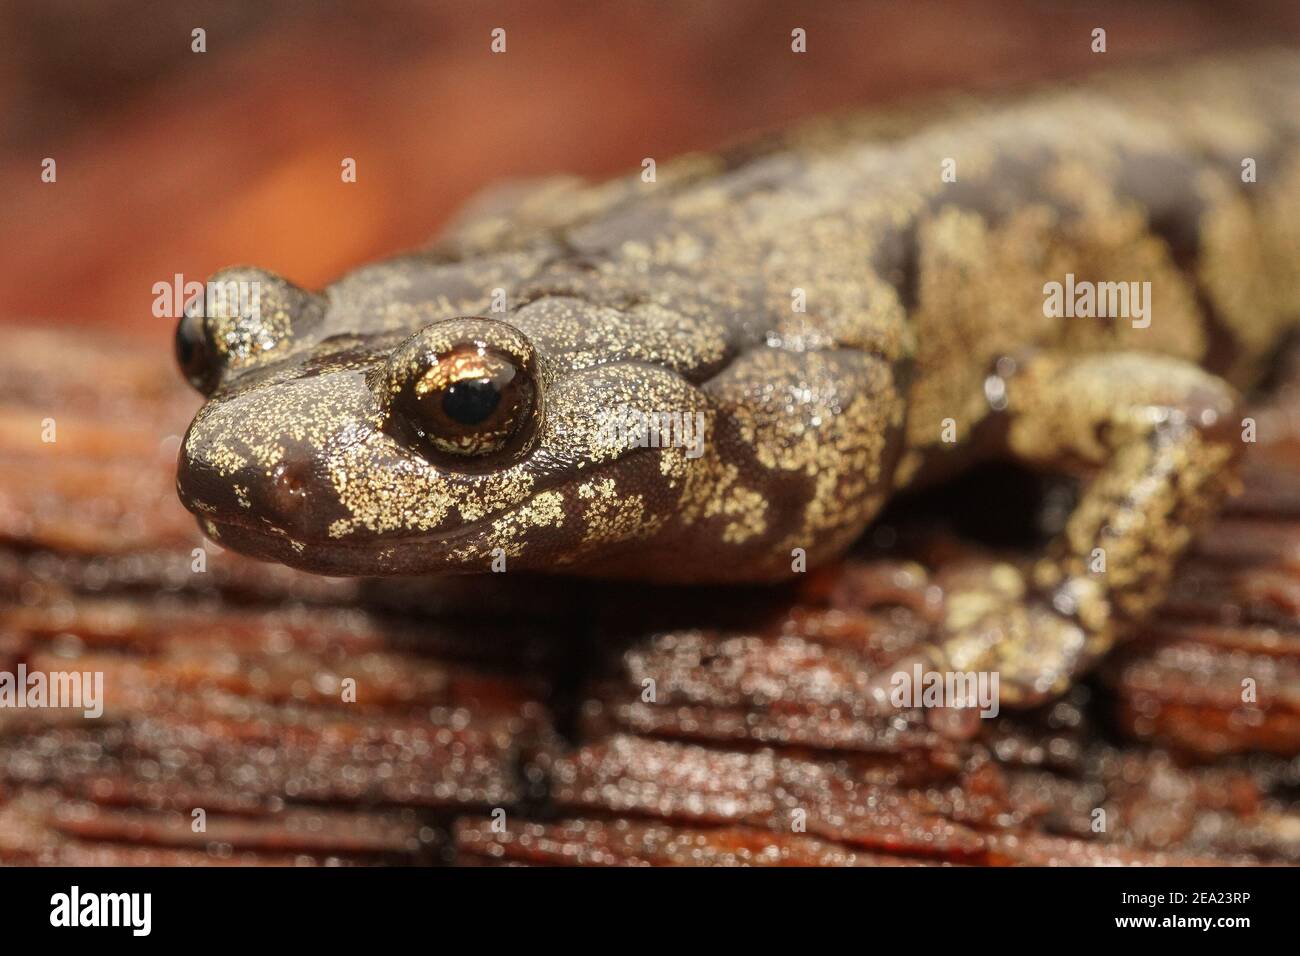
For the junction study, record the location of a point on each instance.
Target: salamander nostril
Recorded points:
(288, 488)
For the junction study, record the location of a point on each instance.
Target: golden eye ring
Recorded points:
(465, 391)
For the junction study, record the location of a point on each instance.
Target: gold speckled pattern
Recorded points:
(827, 301)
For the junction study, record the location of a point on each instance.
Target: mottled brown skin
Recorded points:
(923, 347)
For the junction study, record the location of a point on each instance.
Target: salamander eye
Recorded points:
(194, 352)
(465, 389)
(468, 401)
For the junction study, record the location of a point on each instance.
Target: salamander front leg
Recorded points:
(1156, 439)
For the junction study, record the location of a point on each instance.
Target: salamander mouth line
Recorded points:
(384, 540)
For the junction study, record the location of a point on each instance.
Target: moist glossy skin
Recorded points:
(682, 296)
(840, 314)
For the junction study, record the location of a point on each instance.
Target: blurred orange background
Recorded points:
(174, 161)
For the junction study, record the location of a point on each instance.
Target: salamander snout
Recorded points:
(274, 459)
(290, 498)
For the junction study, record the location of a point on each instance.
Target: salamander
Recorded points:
(721, 372)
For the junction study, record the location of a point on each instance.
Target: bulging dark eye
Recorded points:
(469, 401)
(194, 351)
(465, 389)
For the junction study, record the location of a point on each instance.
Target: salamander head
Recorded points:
(454, 444)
